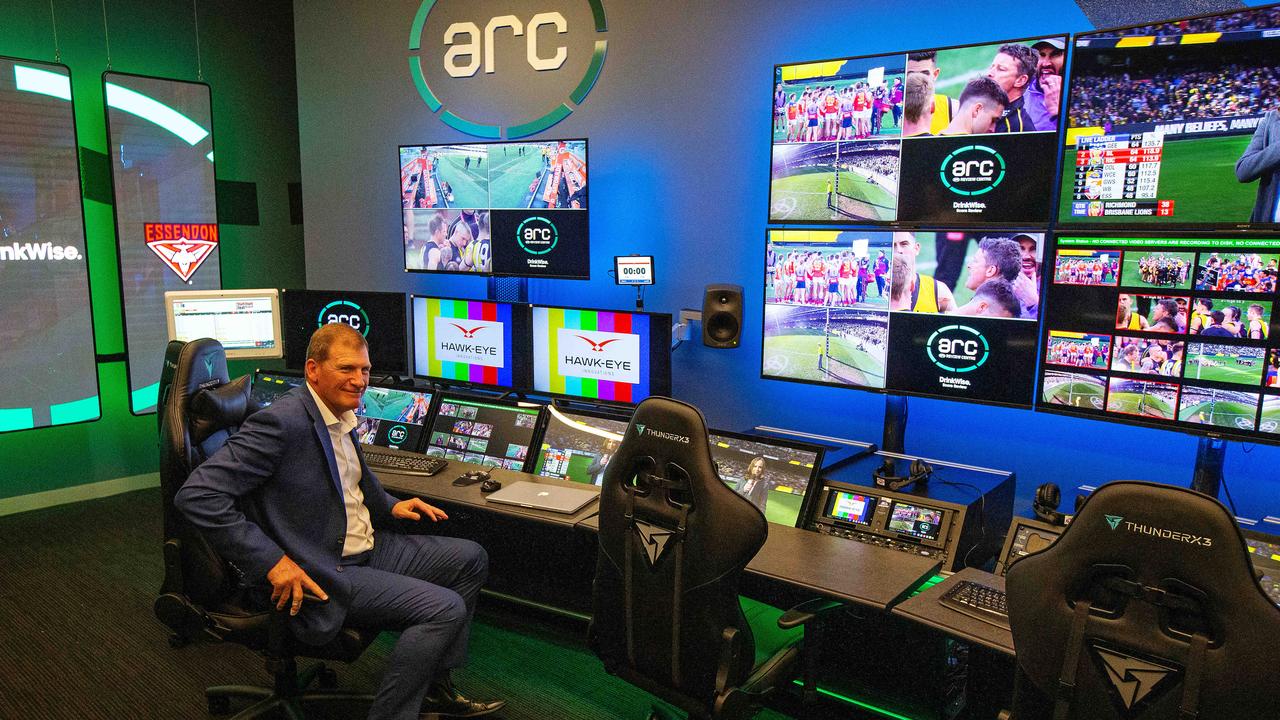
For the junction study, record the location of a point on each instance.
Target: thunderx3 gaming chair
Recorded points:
(1147, 607)
(202, 597)
(674, 540)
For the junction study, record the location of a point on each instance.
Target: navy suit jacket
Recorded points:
(273, 489)
(1261, 161)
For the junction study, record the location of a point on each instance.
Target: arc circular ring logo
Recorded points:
(972, 170)
(397, 434)
(346, 312)
(958, 348)
(524, 127)
(537, 235)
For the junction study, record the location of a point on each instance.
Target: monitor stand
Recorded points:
(895, 431)
(1211, 455)
(508, 289)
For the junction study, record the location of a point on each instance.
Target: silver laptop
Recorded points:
(542, 496)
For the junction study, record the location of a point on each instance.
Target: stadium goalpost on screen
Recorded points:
(842, 371)
(845, 199)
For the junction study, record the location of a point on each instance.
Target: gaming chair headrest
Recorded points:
(221, 407)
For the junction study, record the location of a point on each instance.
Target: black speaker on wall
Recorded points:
(722, 316)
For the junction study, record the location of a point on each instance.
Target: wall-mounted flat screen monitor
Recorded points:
(46, 338)
(269, 385)
(1168, 124)
(577, 445)
(513, 209)
(471, 342)
(379, 316)
(775, 475)
(1173, 331)
(493, 433)
(393, 417)
(953, 136)
(605, 355)
(949, 314)
(246, 322)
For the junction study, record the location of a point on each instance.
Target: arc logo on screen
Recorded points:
(476, 342)
(183, 247)
(972, 170)
(958, 348)
(346, 312)
(599, 355)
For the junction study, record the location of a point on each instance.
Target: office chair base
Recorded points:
(661, 713)
(288, 697)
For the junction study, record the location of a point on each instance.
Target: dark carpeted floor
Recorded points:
(78, 638)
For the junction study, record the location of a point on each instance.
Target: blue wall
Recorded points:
(690, 187)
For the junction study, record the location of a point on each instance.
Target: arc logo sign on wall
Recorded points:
(506, 72)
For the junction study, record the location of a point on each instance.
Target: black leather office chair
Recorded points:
(674, 540)
(201, 597)
(1146, 608)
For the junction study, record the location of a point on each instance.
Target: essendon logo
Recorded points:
(182, 246)
(598, 346)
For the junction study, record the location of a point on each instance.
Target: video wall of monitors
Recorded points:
(379, 316)
(1167, 124)
(891, 139)
(46, 340)
(611, 356)
(160, 136)
(1166, 330)
(945, 314)
(511, 209)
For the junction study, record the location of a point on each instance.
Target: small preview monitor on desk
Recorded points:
(578, 445)
(604, 355)
(494, 433)
(246, 322)
(1026, 537)
(378, 316)
(773, 474)
(268, 385)
(393, 417)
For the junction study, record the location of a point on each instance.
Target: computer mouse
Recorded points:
(489, 486)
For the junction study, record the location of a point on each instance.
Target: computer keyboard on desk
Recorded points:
(979, 601)
(405, 464)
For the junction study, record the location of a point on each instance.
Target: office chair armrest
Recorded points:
(729, 649)
(806, 611)
(278, 629)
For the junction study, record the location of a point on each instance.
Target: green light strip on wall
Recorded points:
(859, 703)
(42, 82)
(16, 419)
(145, 397)
(75, 411)
(155, 111)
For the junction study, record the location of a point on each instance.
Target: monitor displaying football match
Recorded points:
(947, 314)
(1167, 124)
(954, 136)
(1171, 331)
(512, 209)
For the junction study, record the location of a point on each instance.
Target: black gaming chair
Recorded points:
(1146, 608)
(674, 540)
(202, 597)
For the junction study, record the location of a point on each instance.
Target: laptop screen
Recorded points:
(483, 432)
(393, 417)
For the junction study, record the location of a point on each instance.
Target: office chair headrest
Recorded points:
(221, 407)
(1158, 564)
(201, 364)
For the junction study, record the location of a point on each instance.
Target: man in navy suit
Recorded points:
(290, 501)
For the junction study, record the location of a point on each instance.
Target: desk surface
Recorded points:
(830, 566)
(926, 610)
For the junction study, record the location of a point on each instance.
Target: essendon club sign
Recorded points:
(182, 246)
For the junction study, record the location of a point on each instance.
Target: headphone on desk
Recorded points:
(1045, 505)
(918, 472)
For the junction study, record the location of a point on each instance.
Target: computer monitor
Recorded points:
(1264, 553)
(393, 417)
(775, 475)
(948, 314)
(271, 384)
(379, 316)
(1160, 122)
(513, 208)
(1172, 331)
(577, 445)
(246, 322)
(605, 355)
(494, 433)
(471, 342)
(1026, 537)
(951, 137)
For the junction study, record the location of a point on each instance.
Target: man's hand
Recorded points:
(288, 583)
(1052, 86)
(414, 508)
(1024, 288)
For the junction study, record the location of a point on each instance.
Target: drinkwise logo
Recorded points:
(39, 252)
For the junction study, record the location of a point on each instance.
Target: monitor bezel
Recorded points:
(654, 392)
(1064, 224)
(921, 225)
(815, 485)
(273, 294)
(402, 369)
(447, 383)
(535, 437)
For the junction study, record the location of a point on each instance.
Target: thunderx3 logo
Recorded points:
(1133, 682)
(1114, 521)
(347, 312)
(208, 366)
(972, 170)
(958, 348)
(512, 74)
(654, 540)
(660, 434)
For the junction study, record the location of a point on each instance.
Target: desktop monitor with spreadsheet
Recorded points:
(271, 384)
(775, 475)
(495, 433)
(246, 322)
(393, 417)
(577, 445)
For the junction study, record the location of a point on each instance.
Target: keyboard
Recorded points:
(405, 464)
(978, 601)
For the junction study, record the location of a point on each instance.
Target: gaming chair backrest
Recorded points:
(201, 411)
(1137, 645)
(663, 475)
